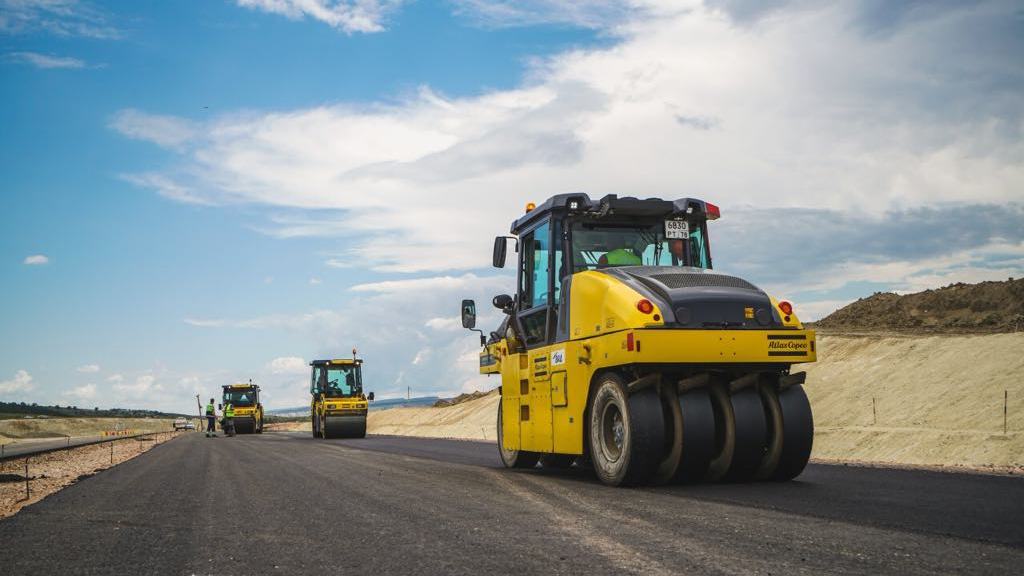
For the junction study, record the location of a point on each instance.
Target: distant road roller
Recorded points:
(338, 407)
(623, 349)
(248, 410)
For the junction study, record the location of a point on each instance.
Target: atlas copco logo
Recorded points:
(787, 345)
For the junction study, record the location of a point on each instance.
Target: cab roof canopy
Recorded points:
(580, 204)
(336, 362)
(242, 386)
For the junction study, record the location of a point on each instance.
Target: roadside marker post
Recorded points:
(874, 412)
(1006, 396)
(111, 451)
(26, 479)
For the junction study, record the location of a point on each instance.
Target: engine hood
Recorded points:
(698, 298)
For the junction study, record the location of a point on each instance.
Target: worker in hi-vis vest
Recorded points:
(229, 419)
(211, 420)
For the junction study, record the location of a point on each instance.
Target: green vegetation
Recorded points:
(11, 410)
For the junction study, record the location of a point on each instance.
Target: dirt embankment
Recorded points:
(890, 399)
(49, 473)
(471, 419)
(34, 428)
(986, 307)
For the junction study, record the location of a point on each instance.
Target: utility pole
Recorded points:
(408, 392)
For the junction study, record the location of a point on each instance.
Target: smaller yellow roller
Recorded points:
(338, 407)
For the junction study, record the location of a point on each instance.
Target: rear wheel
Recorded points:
(673, 417)
(698, 435)
(751, 434)
(513, 458)
(627, 433)
(797, 433)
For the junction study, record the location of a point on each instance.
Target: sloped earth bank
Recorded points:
(23, 429)
(882, 398)
(49, 473)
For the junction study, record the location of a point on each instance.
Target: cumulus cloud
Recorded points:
(85, 392)
(509, 13)
(88, 369)
(115, 378)
(167, 188)
(142, 386)
(36, 260)
(689, 101)
(288, 365)
(45, 61)
(165, 131)
(58, 17)
(22, 382)
(349, 16)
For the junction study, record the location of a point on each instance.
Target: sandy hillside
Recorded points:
(26, 429)
(939, 401)
(474, 419)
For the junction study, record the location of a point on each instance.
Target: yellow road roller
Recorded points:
(338, 407)
(248, 411)
(622, 349)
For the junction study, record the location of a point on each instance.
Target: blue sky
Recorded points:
(197, 193)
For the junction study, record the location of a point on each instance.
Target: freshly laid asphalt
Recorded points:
(290, 504)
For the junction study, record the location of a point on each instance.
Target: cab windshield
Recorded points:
(596, 246)
(342, 381)
(239, 397)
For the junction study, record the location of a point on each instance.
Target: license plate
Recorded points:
(677, 229)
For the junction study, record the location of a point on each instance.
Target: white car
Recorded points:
(182, 424)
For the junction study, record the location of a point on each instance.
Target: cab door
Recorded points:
(535, 320)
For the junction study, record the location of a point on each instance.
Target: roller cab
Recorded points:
(248, 410)
(622, 347)
(338, 407)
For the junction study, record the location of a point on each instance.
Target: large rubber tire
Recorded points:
(698, 435)
(797, 433)
(627, 432)
(751, 434)
(514, 458)
(673, 416)
(314, 423)
(725, 433)
(773, 419)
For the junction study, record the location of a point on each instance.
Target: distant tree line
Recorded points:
(33, 409)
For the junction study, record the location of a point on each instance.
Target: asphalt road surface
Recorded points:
(287, 503)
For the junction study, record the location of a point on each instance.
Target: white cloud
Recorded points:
(116, 378)
(85, 392)
(346, 15)
(88, 369)
(745, 116)
(143, 385)
(57, 17)
(36, 260)
(582, 13)
(45, 61)
(167, 188)
(315, 281)
(22, 382)
(165, 131)
(288, 365)
(424, 285)
(446, 324)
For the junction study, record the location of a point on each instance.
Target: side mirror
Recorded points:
(503, 302)
(220, 406)
(500, 248)
(370, 396)
(468, 314)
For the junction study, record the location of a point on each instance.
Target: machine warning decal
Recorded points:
(677, 229)
(558, 357)
(788, 345)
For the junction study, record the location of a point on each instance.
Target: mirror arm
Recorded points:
(483, 339)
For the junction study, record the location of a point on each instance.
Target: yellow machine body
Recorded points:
(544, 391)
(338, 412)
